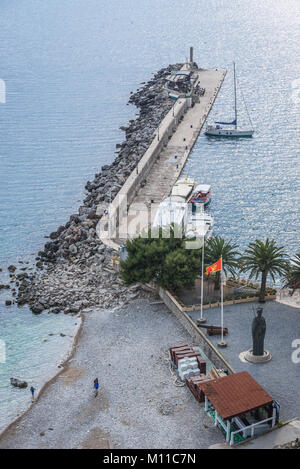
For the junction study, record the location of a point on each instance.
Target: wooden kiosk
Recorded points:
(239, 406)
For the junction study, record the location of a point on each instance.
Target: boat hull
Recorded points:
(203, 200)
(229, 133)
(201, 194)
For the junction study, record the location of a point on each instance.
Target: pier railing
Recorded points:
(251, 427)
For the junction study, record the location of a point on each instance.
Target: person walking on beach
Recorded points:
(96, 386)
(32, 393)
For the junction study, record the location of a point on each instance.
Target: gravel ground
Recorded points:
(280, 377)
(138, 404)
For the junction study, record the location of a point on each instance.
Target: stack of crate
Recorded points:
(193, 385)
(177, 352)
(201, 364)
(187, 360)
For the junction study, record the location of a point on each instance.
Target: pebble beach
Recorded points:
(138, 406)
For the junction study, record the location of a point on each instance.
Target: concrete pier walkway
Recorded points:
(166, 164)
(167, 169)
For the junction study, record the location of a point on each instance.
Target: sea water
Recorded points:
(69, 67)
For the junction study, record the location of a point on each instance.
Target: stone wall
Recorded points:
(127, 193)
(166, 129)
(206, 345)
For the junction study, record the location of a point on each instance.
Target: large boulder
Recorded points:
(37, 308)
(18, 383)
(73, 249)
(92, 215)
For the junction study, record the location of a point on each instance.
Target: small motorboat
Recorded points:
(201, 194)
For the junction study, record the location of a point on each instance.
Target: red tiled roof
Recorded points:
(235, 394)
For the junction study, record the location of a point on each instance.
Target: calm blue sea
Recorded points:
(69, 67)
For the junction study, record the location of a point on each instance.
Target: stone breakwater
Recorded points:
(73, 270)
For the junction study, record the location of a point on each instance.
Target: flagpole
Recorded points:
(222, 343)
(222, 315)
(202, 319)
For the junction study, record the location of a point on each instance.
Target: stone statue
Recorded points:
(258, 333)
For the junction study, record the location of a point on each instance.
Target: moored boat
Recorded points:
(199, 224)
(201, 194)
(218, 131)
(230, 129)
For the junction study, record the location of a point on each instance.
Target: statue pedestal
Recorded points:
(248, 355)
(201, 320)
(222, 344)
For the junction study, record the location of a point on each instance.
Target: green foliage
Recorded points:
(161, 259)
(218, 247)
(180, 269)
(263, 258)
(293, 272)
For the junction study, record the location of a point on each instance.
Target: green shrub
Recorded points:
(227, 298)
(161, 259)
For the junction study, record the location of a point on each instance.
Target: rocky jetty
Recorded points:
(74, 270)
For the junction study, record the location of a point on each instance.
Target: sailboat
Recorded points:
(230, 129)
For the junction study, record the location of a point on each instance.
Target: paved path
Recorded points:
(271, 440)
(280, 377)
(278, 437)
(138, 405)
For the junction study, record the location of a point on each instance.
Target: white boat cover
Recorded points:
(204, 188)
(199, 225)
(171, 210)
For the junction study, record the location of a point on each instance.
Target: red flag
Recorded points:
(214, 267)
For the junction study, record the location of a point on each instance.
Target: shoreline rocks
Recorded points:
(17, 383)
(73, 270)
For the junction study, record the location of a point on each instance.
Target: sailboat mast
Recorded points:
(235, 108)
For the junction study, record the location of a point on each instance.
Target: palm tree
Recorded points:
(293, 273)
(218, 247)
(263, 258)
